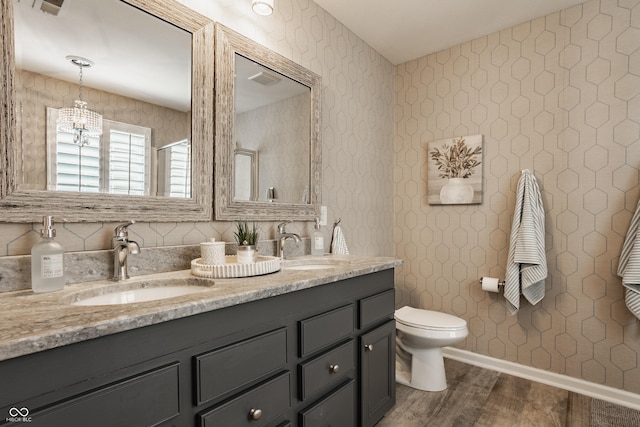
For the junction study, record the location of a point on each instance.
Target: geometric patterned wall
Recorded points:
(559, 95)
(357, 136)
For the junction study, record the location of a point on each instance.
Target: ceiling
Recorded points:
(403, 30)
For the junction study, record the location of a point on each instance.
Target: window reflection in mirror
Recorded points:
(140, 84)
(273, 118)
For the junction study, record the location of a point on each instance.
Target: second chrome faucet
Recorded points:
(283, 236)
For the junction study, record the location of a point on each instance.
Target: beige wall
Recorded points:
(559, 96)
(357, 135)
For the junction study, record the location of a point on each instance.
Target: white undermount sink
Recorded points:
(319, 263)
(311, 267)
(141, 291)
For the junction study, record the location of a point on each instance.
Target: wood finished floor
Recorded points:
(480, 397)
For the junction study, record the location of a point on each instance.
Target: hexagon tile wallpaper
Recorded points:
(559, 95)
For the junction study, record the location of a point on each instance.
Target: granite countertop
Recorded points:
(31, 322)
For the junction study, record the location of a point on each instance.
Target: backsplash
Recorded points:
(86, 266)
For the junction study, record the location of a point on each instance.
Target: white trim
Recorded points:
(598, 391)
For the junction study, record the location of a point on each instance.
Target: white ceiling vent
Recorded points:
(51, 7)
(265, 78)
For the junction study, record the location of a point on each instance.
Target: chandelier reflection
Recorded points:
(79, 120)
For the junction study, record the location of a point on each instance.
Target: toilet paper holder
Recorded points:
(500, 282)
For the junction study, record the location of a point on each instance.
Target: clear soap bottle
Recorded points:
(47, 260)
(317, 240)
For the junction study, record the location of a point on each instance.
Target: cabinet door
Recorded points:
(377, 372)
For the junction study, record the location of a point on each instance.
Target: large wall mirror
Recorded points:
(106, 111)
(269, 106)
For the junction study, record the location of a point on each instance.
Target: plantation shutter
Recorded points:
(179, 170)
(128, 151)
(77, 167)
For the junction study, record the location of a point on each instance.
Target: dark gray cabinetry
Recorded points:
(377, 356)
(336, 409)
(297, 359)
(377, 381)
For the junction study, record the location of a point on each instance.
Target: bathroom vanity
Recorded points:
(298, 347)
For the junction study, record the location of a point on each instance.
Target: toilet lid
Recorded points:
(427, 319)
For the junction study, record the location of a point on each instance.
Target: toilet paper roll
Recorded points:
(490, 284)
(212, 252)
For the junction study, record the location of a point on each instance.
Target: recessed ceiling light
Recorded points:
(262, 7)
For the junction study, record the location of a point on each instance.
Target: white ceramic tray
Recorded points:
(263, 265)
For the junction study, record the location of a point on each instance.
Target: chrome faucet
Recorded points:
(122, 247)
(283, 236)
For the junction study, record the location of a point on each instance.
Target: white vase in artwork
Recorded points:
(457, 191)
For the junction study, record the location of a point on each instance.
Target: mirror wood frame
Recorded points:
(18, 205)
(228, 43)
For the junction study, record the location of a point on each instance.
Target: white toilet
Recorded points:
(420, 336)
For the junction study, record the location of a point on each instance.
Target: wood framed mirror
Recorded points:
(22, 201)
(269, 104)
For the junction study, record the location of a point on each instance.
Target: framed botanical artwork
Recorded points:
(455, 171)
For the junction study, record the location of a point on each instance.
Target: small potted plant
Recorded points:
(247, 238)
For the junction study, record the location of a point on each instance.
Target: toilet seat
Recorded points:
(429, 320)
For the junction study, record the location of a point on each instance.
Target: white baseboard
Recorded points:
(609, 394)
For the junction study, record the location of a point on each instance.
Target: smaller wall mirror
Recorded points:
(269, 106)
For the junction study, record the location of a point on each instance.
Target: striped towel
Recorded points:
(338, 242)
(629, 265)
(526, 261)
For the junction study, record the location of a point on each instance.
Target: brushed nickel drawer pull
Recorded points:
(334, 369)
(255, 414)
(368, 347)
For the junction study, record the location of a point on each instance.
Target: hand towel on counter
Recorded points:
(629, 265)
(526, 260)
(338, 242)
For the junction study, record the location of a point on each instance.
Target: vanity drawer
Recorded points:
(320, 331)
(326, 370)
(229, 368)
(146, 399)
(337, 409)
(376, 308)
(254, 408)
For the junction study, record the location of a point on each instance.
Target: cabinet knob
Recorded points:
(368, 347)
(334, 369)
(255, 414)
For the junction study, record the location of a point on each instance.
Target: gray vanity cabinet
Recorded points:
(377, 356)
(377, 381)
(297, 359)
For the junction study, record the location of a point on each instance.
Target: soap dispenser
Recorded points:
(317, 240)
(47, 260)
